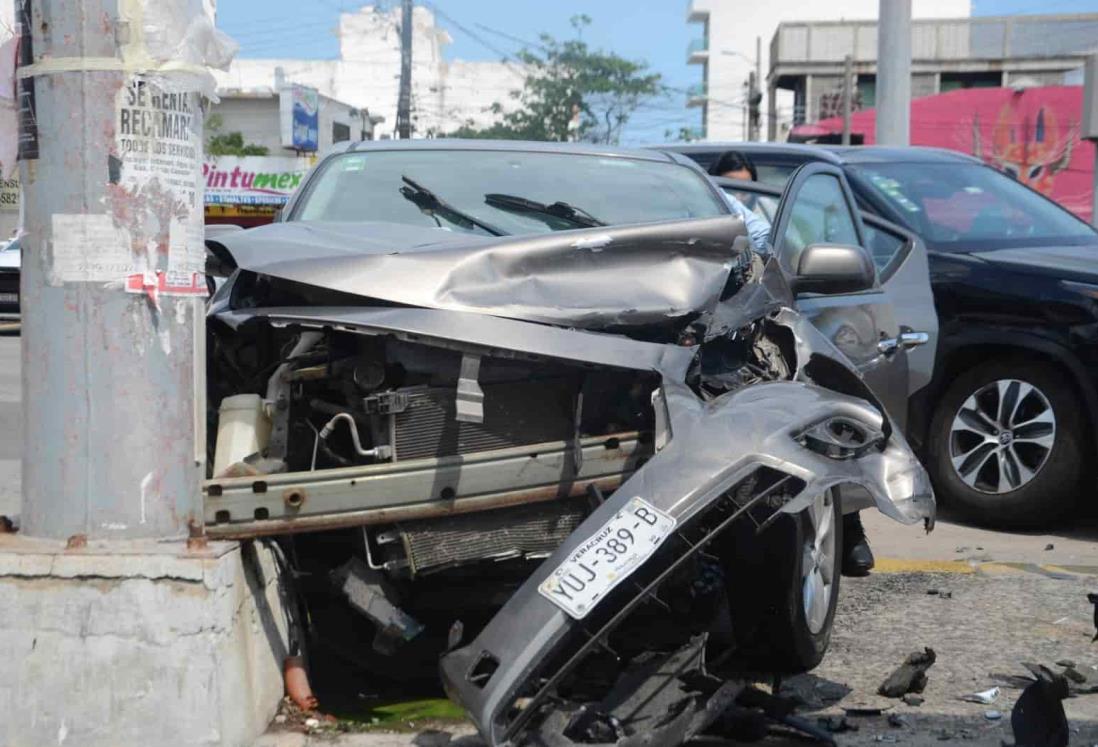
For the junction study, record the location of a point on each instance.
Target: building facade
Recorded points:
(445, 95)
(725, 50)
(256, 114)
(807, 58)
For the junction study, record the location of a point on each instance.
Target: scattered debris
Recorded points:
(985, 697)
(1049, 546)
(910, 676)
(898, 721)
(867, 707)
(914, 700)
(7, 526)
(940, 593)
(961, 549)
(370, 593)
(1074, 675)
(993, 715)
(837, 724)
(1066, 663)
(1038, 718)
(312, 723)
(1013, 681)
(885, 738)
(1093, 599)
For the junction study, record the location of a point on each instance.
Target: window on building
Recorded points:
(340, 132)
(955, 81)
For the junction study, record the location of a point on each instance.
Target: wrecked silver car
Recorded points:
(559, 380)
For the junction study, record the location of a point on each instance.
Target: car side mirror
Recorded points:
(834, 268)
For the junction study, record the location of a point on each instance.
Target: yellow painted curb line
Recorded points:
(909, 565)
(904, 565)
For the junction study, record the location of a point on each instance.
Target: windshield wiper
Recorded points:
(559, 210)
(429, 202)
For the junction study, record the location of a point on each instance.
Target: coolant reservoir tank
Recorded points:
(243, 428)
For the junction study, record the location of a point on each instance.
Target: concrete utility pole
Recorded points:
(848, 96)
(894, 73)
(756, 93)
(112, 284)
(404, 101)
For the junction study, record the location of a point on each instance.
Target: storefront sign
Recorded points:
(250, 185)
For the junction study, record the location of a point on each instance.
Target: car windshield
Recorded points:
(503, 192)
(969, 207)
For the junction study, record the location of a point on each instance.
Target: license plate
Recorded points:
(607, 557)
(9, 298)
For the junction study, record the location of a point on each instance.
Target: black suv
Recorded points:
(1007, 422)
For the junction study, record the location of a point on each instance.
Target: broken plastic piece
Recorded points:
(368, 593)
(985, 697)
(1093, 599)
(1038, 718)
(909, 677)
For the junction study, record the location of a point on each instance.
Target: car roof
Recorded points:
(837, 154)
(515, 146)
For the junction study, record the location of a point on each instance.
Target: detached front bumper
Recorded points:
(508, 670)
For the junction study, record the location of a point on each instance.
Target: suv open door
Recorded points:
(890, 331)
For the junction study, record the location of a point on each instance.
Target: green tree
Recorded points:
(572, 92)
(228, 143)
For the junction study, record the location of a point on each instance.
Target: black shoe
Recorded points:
(857, 557)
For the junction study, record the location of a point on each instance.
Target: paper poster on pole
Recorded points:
(153, 226)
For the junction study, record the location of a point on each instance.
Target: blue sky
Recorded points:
(651, 30)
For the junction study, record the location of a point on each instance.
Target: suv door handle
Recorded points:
(906, 340)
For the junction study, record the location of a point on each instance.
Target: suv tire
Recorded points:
(1013, 466)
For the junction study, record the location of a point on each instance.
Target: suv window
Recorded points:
(968, 206)
(820, 216)
(882, 245)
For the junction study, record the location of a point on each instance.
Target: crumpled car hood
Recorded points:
(591, 278)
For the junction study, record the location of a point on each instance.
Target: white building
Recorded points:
(256, 114)
(445, 95)
(726, 51)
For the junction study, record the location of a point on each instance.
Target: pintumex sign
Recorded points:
(252, 180)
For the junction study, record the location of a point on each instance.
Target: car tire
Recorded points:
(981, 464)
(774, 629)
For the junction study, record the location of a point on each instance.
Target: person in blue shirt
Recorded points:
(857, 557)
(735, 165)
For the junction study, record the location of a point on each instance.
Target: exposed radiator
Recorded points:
(522, 531)
(515, 414)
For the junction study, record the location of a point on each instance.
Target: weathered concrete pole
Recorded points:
(111, 149)
(894, 73)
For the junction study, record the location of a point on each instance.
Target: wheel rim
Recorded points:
(1002, 436)
(818, 566)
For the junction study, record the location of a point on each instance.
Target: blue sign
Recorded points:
(305, 132)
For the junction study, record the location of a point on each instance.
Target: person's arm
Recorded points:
(758, 228)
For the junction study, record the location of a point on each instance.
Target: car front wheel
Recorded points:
(1006, 443)
(784, 588)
